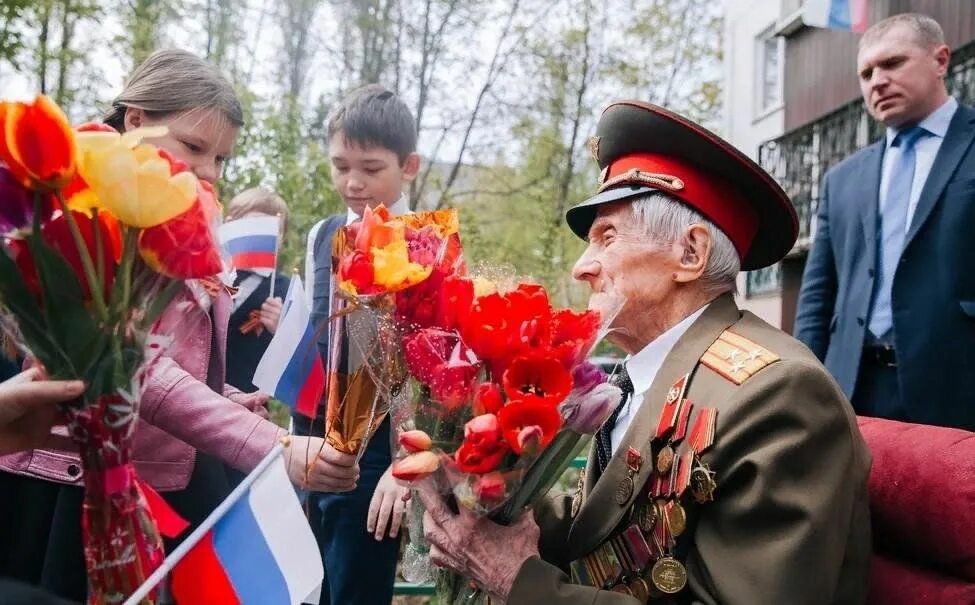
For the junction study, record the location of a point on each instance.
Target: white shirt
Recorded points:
(643, 368)
(247, 286)
(925, 150)
(400, 206)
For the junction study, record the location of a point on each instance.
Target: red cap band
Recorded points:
(718, 201)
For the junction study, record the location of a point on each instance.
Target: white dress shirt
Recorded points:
(643, 368)
(925, 151)
(400, 206)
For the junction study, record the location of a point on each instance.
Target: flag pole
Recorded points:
(186, 545)
(277, 246)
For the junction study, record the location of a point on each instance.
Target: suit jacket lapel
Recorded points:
(961, 133)
(601, 512)
(868, 189)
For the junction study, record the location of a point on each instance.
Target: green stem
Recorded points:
(36, 227)
(95, 286)
(99, 249)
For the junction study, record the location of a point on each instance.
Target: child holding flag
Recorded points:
(256, 310)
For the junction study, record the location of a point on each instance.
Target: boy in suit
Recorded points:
(372, 149)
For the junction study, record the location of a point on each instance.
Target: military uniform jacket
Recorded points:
(789, 522)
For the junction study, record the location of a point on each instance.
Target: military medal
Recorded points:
(624, 490)
(665, 458)
(676, 518)
(668, 575)
(640, 589)
(646, 516)
(702, 484)
(577, 496)
(676, 392)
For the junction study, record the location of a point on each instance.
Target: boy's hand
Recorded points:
(271, 314)
(387, 506)
(328, 470)
(28, 410)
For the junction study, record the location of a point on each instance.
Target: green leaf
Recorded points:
(70, 323)
(27, 312)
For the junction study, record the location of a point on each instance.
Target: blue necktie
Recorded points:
(893, 227)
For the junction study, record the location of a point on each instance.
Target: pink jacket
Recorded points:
(179, 412)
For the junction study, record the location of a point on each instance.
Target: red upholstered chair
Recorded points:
(922, 504)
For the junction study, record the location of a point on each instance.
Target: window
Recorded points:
(768, 70)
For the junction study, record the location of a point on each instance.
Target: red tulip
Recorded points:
(573, 335)
(37, 144)
(483, 448)
(415, 466)
(539, 377)
(183, 247)
(356, 270)
(490, 488)
(57, 234)
(487, 398)
(529, 425)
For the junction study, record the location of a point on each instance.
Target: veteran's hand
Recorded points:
(28, 410)
(387, 506)
(271, 314)
(488, 553)
(315, 465)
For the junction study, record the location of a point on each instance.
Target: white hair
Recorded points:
(665, 220)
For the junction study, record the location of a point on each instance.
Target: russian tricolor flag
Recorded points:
(850, 15)
(291, 368)
(255, 548)
(252, 241)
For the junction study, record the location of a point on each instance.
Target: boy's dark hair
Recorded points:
(374, 116)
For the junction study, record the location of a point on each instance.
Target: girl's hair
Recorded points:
(258, 199)
(175, 81)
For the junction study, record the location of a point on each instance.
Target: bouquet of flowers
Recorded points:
(495, 395)
(99, 230)
(380, 261)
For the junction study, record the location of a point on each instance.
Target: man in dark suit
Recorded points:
(888, 295)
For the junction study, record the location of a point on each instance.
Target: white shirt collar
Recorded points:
(644, 365)
(936, 123)
(399, 207)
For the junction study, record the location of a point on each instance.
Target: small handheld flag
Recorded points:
(291, 368)
(256, 547)
(252, 241)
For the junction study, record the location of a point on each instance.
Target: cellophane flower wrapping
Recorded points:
(491, 396)
(99, 231)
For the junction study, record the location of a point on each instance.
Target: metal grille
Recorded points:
(799, 159)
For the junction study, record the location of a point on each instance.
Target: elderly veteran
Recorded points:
(733, 472)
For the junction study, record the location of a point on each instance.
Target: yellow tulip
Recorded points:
(392, 267)
(130, 179)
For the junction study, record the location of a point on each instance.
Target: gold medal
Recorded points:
(640, 589)
(665, 460)
(703, 484)
(676, 518)
(624, 490)
(668, 575)
(647, 517)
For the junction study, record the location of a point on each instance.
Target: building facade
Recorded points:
(821, 118)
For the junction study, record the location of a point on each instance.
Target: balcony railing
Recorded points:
(799, 159)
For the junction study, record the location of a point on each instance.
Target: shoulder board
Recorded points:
(737, 358)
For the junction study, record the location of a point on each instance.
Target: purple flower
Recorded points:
(17, 203)
(585, 412)
(585, 377)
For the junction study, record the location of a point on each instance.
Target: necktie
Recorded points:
(604, 444)
(893, 227)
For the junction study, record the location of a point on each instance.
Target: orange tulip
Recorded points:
(415, 466)
(37, 144)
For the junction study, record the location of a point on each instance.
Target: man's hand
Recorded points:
(488, 553)
(28, 410)
(387, 506)
(315, 465)
(271, 314)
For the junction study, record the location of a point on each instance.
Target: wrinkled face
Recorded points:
(901, 81)
(626, 270)
(368, 176)
(203, 138)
